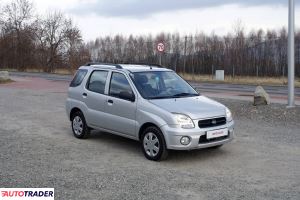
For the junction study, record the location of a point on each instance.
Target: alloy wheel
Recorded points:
(77, 125)
(151, 144)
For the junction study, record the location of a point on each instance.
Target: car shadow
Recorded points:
(197, 155)
(134, 147)
(116, 141)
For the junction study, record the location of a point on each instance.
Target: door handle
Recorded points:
(84, 95)
(110, 101)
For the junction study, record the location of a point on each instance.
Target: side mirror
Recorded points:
(127, 96)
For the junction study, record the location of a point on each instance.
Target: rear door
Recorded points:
(95, 98)
(121, 113)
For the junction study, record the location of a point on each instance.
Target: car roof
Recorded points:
(127, 67)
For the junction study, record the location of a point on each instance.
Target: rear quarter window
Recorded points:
(78, 78)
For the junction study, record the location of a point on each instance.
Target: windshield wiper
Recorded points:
(185, 94)
(161, 97)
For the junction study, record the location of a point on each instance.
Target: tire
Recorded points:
(153, 144)
(79, 126)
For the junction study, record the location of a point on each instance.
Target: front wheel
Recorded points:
(153, 144)
(79, 126)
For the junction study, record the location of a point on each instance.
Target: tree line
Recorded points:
(258, 53)
(28, 40)
(52, 41)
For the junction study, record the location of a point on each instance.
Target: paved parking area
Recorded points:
(37, 149)
(278, 94)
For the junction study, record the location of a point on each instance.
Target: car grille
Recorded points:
(212, 122)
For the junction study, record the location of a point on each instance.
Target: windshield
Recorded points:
(162, 85)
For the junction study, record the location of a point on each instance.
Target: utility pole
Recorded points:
(184, 59)
(291, 55)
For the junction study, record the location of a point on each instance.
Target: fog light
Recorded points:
(185, 140)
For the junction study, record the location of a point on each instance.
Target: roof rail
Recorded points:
(99, 63)
(149, 64)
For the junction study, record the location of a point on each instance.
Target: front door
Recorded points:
(121, 113)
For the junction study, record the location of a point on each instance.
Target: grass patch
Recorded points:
(249, 80)
(33, 70)
(6, 81)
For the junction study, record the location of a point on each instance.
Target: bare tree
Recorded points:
(16, 24)
(57, 35)
(257, 53)
(52, 41)
(73, 46)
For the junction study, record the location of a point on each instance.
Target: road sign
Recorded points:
(160, 47)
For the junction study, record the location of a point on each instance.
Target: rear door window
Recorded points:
(78, 78)
(97, 81)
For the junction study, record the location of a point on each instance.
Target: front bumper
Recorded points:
(197, 137)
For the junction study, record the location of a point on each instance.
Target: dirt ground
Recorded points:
(37, 149)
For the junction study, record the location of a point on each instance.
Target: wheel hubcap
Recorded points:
(151, 144)
(77, 125)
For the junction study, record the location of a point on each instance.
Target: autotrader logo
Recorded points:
(27, 193)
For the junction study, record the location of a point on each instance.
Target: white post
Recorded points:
(160, 58)
(291, 55)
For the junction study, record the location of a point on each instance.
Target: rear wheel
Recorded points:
(79, 126)
(153, 144)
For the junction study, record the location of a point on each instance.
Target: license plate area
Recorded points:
(216, 133)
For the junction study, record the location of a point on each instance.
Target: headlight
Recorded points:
(184, 121)
(228, 115)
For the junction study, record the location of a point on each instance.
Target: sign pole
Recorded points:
(291, 55)
(160, 58)
(160, 48)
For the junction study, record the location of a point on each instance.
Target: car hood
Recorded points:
(199, 107)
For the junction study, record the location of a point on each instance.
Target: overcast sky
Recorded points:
(110, 17)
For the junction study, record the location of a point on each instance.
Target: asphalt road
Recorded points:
(37, 149)
(272, 90)
(204, 87)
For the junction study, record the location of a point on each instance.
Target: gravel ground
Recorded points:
(37, 149)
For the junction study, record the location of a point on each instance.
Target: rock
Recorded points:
(4, 76)
(261, 97)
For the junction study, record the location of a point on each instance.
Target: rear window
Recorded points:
(78, 78)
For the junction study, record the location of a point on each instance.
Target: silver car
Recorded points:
(147, 103)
